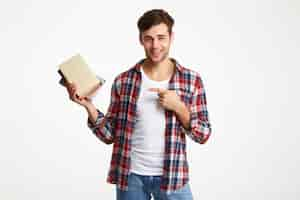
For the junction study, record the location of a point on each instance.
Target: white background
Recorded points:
(247, 53)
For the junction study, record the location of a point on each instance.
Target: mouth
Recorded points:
(155, 53)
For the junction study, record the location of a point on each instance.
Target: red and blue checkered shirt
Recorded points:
(117, 125)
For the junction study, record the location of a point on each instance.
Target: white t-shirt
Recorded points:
(148, 138)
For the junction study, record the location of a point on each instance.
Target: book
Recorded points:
(75, 70)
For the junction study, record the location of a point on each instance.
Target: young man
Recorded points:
(154, 105)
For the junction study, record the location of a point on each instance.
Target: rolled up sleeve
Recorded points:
(200, 127)
(104, 127)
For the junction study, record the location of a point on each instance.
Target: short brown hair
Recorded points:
(155, 17)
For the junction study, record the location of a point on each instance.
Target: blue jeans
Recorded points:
(143, 187)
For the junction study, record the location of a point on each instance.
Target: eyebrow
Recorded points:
(159, 35)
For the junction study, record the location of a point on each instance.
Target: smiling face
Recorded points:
(156, 42)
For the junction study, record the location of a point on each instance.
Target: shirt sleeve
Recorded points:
(104, 127)
(200, 127)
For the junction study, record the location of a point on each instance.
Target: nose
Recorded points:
(155, 43)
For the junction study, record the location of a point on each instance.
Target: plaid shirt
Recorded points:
(117, 125)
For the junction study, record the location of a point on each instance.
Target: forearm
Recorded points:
(92, 112)
(183, 114)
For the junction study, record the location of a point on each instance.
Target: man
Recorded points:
(154, 105)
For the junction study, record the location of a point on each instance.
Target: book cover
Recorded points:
(75, 70)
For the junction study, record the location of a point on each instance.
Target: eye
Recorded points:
(147, 39)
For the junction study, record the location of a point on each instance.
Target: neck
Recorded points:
(159, 71)
(159, 66)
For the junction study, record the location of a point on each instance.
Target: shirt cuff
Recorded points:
(197, 126)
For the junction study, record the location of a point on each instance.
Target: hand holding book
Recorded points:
(76, 75)
(73, 95)
(83, 101)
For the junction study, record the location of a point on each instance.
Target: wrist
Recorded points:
(89, 106)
